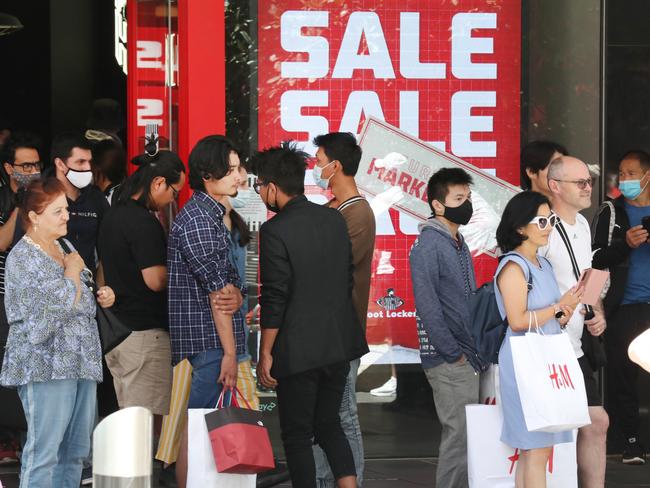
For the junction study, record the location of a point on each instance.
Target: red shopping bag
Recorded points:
(240, 442)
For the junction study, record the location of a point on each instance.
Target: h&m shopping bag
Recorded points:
(492, 464)
(201, 469)
(240, 442)
(550, 382)
(489, 392)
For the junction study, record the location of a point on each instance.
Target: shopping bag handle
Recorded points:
(530, 322)
(233, 398)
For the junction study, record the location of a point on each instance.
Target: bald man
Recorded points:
(570, 186)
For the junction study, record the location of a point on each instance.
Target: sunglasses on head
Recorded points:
(543, 222)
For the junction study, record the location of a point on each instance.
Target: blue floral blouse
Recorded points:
(50, 338)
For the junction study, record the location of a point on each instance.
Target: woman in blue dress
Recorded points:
(525, 227)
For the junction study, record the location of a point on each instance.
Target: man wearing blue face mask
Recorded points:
(625, 251)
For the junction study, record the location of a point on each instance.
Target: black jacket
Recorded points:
(614, 256)
(306, 277)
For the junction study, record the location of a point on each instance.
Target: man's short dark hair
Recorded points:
(210, 157)
(641, 156)
(342, 147)
(64, 143)
(536, 156)
(439, 183)
(283, 165)
(19, 140)
(520, 210)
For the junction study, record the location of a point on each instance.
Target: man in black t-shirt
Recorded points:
(71, 156)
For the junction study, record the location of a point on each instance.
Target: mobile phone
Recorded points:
(645, 222)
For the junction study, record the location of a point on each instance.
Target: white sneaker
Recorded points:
(387, 389)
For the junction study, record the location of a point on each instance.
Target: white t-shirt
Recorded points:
(556, 252)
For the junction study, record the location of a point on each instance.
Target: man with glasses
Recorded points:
(310, 329)
(21, 164)
(570, 185)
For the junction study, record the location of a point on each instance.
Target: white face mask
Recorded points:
(79, 179)
(243, 198)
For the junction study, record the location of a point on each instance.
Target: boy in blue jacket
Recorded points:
(443, 280)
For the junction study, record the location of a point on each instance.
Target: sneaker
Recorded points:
(633, 452)
(387, 389)
(87, 476)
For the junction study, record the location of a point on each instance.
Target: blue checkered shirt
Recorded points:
(198, 263)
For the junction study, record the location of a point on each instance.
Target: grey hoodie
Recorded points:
(443, 280)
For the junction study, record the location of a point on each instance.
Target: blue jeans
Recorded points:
(60, 417)
(206, 368)
(350, 423)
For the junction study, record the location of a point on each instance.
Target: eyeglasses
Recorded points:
(174, 190)
(543, 222)
(29, 167)
(581, 184)
(257, 185)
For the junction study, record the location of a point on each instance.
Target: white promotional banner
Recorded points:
(395, 168)
(201, 468)
(550, 382)
(492, 464)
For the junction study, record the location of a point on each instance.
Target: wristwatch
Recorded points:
(558, 311)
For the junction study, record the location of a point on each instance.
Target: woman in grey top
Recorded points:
(53, 354)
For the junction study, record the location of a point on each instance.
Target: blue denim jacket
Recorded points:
(50, 337)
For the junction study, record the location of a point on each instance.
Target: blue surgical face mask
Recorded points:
(242, 199)
(317, 174)
(631, 189)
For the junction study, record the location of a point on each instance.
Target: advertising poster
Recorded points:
(446, 72)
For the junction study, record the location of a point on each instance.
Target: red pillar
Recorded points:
(202, 73)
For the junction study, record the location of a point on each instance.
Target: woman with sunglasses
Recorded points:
(133, 251)
(525, 227)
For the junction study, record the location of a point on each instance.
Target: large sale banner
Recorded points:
(447, 72)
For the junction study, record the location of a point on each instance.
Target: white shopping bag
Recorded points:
(201, 470)
(550, 382)
(488, 391)
(639, 350)
(492, 464)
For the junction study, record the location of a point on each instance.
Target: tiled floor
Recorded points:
(411, 473)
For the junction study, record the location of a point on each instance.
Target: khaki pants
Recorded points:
(142, 370)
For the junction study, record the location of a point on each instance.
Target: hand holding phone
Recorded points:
(645, 222)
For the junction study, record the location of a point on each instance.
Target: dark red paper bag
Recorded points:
(240, 442)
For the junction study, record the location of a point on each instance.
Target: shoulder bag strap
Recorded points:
(574, 263)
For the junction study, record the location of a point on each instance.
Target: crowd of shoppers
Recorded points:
(80, 225)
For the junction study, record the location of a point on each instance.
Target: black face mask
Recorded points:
(272, 208)
(459, 215)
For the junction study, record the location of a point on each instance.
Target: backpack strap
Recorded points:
(530, 272)
(612, 220)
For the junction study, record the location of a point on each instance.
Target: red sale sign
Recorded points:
(443, 71)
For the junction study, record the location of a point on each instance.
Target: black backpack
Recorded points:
(487, 326)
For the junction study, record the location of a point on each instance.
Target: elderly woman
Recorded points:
(53, 353)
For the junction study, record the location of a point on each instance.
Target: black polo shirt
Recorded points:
(131, 239)
(86, 215)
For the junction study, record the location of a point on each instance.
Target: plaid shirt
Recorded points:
(198, 263)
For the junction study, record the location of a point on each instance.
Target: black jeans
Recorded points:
(309, 405)
(627, 322)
